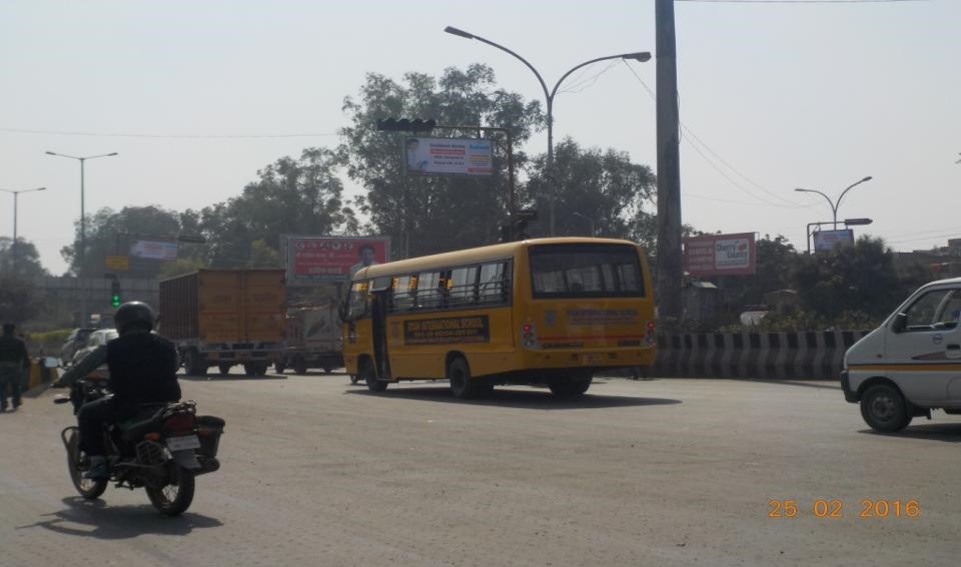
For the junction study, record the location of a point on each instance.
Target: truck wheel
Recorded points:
(260, 368)
(300, 365)
(224, 369)
(328, 369)
(250, 369)
(885, 409)
(354, 379)
(461, 385)
(194, 363)
(279, 367)
(368, 375)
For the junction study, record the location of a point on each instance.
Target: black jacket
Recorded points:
(143, 368)
(13, 351)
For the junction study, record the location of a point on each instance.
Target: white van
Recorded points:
(911, 364)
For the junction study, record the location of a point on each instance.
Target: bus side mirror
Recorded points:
(900, 323)
(342, 311)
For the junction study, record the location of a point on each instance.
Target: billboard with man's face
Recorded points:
(320, 259)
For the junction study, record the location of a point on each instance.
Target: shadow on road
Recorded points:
(515, 398)
(93, 518)
(229, 377)
(944, 432)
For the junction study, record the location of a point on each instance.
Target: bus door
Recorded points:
(380, 296)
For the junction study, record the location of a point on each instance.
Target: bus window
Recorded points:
(462, 285)
(586, 270)
(493, 283)
(404, 293)
(429, 293)
(357, 301)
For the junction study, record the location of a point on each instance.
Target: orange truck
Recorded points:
(222, 318)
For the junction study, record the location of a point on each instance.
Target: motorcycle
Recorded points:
(162, 449)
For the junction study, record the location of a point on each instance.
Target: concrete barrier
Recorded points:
(815, 355)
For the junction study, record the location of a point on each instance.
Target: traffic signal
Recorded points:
(405, 125)
(115, 293)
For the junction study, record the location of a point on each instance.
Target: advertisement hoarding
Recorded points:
(319, 259)
(825, 240)
(448, 156)
(154, 250)
(720, 255)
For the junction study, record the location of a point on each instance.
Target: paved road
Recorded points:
(661, 472)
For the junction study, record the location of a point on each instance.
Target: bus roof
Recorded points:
(471, 256)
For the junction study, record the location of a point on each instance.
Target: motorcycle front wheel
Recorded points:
(77, 463)
(175, 497)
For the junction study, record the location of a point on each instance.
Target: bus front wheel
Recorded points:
(369, 375)
(570, 386)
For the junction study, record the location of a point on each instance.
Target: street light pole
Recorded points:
(83, 226)
(835, 204)
(549, 95)
(16, 205)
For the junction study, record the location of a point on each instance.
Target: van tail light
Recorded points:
(651, 328)
(529, 335)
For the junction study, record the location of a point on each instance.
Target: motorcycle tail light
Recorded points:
(179, 422)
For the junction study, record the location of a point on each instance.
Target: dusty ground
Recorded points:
(663, 472)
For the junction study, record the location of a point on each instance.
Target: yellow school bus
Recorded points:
(545, 311)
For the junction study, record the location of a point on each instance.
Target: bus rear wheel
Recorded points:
(461, 384)
(570, 386)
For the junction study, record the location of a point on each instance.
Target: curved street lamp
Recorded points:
(16, 204)
(549, 95)
(835, 204)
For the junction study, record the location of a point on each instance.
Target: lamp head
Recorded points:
(454, 31)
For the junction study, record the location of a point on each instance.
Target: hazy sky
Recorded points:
(783, 96)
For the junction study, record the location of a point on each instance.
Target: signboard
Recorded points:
(447, 330)
(448, 156)
(720, 255)
(825, 240)
(118, 263)
(154, 250)
(318, 259)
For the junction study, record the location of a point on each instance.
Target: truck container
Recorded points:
(222, 318)
(313, 340)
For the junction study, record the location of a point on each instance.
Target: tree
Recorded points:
(20, 300)
(291, 196)
(614, 194)
(179, 267)
(110, 233)
(28, 259)
(777, 262)
(436, 213)
(860, 277)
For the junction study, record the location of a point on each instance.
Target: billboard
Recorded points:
(720, 255)
(319, 259)
(448, 156)
(154, 250)
(825, 240)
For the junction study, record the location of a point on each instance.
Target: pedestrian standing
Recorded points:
(13, 358)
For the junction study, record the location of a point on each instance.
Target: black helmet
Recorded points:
(133, 314)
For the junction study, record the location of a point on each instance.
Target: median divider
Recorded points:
(816, 355)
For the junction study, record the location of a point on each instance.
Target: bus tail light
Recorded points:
(529, 335)
(651, 327)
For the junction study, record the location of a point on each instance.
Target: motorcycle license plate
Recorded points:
(183, 443)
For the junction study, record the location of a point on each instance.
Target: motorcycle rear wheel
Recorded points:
(89, 489)
(175, 497)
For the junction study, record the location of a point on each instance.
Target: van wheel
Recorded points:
(461, 385)
(368, 375)
(885, 409)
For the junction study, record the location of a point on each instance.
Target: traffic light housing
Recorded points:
(405, 125)
(114, 291)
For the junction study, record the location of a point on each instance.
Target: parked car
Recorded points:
(75, 341)
(96, 339)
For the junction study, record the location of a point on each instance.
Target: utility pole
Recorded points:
(670, 271)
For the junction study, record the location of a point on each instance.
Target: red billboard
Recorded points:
(720, 255)
(319, 259)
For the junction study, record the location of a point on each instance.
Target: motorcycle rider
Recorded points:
(143, 369)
